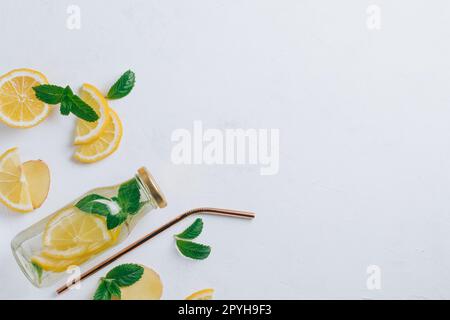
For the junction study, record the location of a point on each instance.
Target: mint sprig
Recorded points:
(123, 86)
(128, 201)
(69, 102)
(189, 248)
(121, 276)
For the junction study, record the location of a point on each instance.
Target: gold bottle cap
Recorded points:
(152, 186)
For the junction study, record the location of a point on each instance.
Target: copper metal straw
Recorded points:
(134, 245)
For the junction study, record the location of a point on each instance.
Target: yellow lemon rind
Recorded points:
(205, 294)
(38, 76)
(112, 148)
(94, 92)
(6, 202)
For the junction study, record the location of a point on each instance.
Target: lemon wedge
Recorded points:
(14, 191)
(205, 294)
(38, 178)
(86, 132)
(106, 144)
(19, 107)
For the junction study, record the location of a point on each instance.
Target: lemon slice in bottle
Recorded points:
(61, 265)
(57, 265)
(86, 132)
(72, 234)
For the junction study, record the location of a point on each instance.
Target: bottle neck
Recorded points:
(145, 191)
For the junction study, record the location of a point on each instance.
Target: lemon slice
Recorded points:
(106, 144)
(38, 179)
(72, 234)
(61, 265)
(14, 192)
(19, 107)
(206, 294)
(89, 131)
(57, 265)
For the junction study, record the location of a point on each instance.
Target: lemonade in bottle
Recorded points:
(84, 228)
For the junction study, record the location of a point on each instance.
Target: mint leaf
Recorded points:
(90, 204)
(66, 101)
(193, 250)
(123, 86)
(114, 220)
(49, 93)
(38, 270)
(129, 197)
(66, 106)
(81, 109)
(114, 289)
(67, 91)
(123, 275)
(193, 231)
(126, 274)
(102, 292)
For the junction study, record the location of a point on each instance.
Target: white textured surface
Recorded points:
(365, 137)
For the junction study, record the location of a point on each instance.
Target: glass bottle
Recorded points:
(86, 227)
